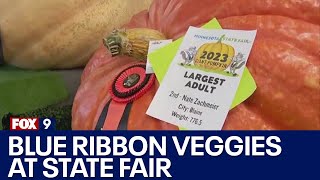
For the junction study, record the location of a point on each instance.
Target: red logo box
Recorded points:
(24, 124)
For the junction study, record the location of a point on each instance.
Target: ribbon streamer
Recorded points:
(129, 85)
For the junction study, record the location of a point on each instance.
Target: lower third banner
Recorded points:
(154, 154)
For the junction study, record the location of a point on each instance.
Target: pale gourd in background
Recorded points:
(59, 34)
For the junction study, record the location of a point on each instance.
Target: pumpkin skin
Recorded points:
(284, 61)
(59, 34)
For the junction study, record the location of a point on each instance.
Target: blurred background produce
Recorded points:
(41, 34)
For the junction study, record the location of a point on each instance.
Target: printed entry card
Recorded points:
(198, 89)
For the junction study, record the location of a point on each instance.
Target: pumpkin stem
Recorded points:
(114, 41)
(221, 38)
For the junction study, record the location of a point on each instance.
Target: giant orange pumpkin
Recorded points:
(284, 62)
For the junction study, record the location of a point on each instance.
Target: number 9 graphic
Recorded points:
(46, 123)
